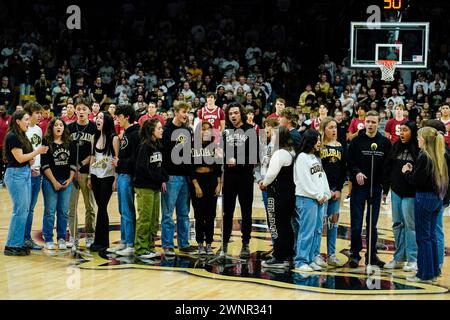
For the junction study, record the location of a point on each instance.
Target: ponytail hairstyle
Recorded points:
(434, 150)
(323, 124)
(21, 136)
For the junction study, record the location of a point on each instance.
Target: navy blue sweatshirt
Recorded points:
(359, 158)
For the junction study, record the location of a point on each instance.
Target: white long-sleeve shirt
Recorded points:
(310, 178)
(280, 158)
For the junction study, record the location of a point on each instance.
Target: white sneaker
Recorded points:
(150, 255)
(334, 261)
(410, 266)
(89, 242)
(49, 246)
(393, 265)
(319, 261)
(128, 251)
(69, 244)
(304, 268)
(315, 266)
(62, 244)
(416, 279)
(120, 246)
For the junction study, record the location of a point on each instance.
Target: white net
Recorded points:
(387, 68)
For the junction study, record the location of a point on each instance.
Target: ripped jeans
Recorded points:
(332, 208)
(309, 219)
(404, 229)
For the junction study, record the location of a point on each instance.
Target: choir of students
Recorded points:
(300, 173)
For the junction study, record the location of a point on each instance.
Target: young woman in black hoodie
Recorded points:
(147, 185)
(430, 177)
(403, 151)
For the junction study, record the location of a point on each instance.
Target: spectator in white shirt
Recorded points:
(395, 98)
(437, 79)
(252, 53)
(421, 82)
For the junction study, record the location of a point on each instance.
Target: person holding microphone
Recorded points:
(367, 179)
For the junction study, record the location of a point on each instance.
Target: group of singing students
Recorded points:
(300, 174)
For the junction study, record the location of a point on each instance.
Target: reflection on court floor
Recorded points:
(341, 280)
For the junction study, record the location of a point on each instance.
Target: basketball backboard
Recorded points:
(404, 42)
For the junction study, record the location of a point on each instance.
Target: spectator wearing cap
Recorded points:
(308, 92)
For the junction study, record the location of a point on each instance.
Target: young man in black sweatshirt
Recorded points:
(82, 137)
(240, 157)
(360, 151)
(175, 137)
(125, 166)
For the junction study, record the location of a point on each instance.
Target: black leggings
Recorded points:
(102, 189)
(205, 207)
(238, 185)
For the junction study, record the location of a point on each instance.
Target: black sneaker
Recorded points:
(267, 254)
(274, 263)
(30, 244)
(15, 251)
(97, 247)
(245, 251)
(375, 261)
(27, 250)
(353, 262)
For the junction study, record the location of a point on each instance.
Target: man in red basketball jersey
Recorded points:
(212, 113)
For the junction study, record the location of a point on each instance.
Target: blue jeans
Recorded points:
(36, 183)
(426, 210)
(25, 88)
(404, 229)
(55, 202)
(332, 208)
(358, 200)
(176, 196)
(309, 218)
(18, 183)
(125, 195)
(440, 237)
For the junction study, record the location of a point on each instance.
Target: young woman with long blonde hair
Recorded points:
(430, 177)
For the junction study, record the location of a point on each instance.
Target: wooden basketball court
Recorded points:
(56, 275)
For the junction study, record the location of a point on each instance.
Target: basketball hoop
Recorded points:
(387, 68)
